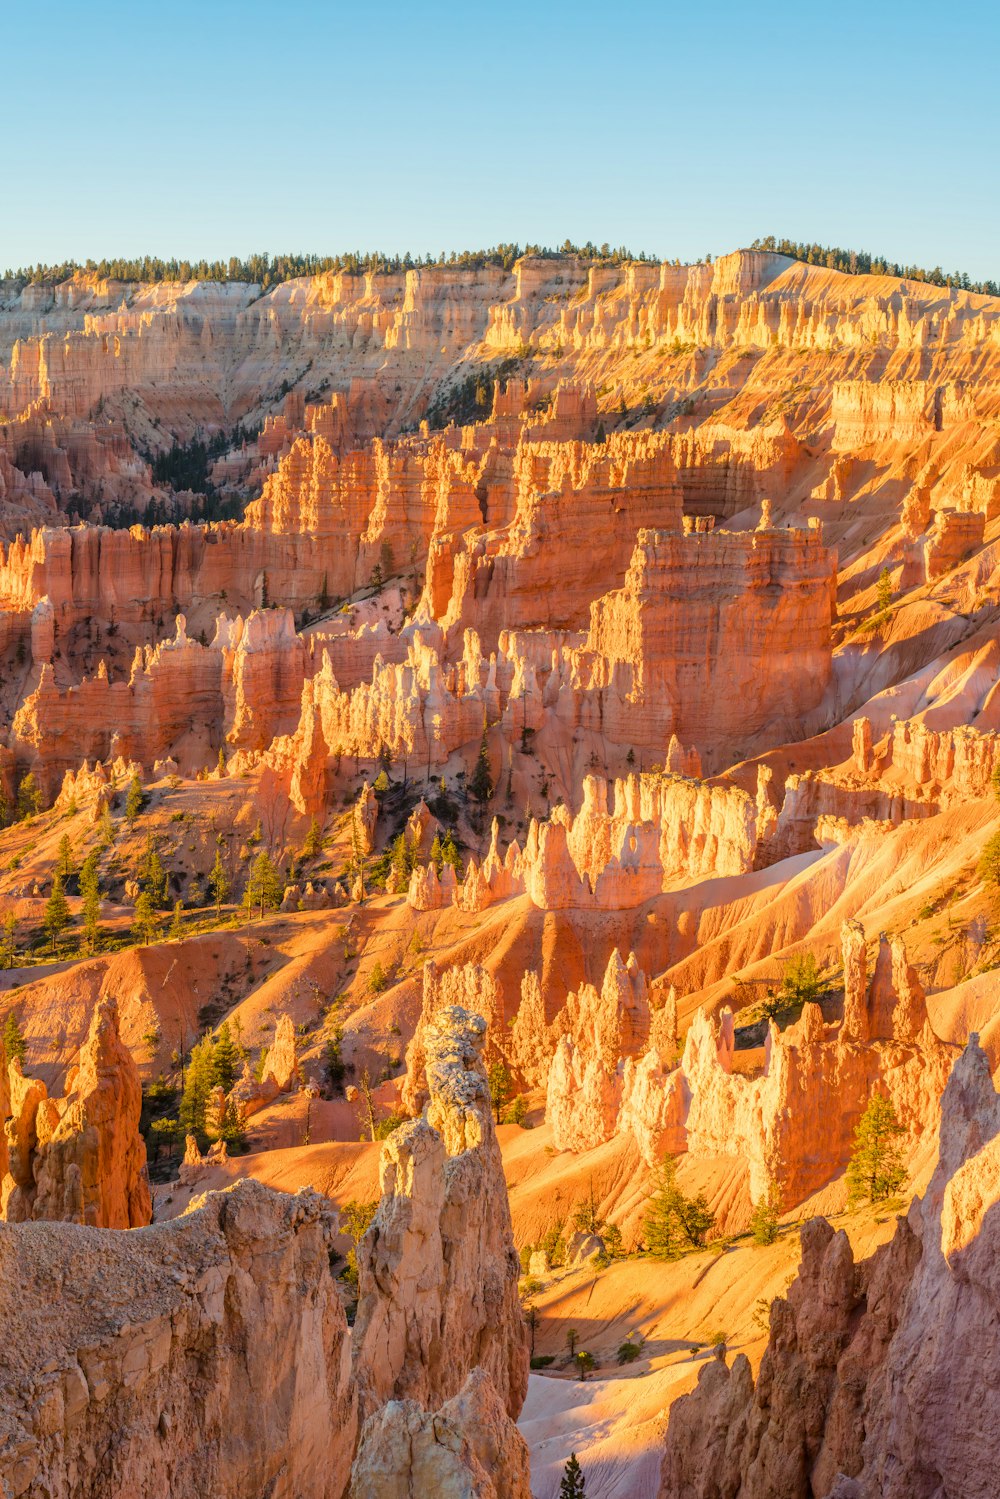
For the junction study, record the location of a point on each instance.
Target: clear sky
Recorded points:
(211, 128)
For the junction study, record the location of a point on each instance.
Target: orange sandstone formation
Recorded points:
(872, 1382)
(469, 1446)
(80, 1159)
(437, 1269)
(97, 1394)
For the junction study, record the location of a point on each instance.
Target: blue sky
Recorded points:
(218, 128)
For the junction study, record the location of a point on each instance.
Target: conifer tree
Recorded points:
(29, 798)
(314, 841)
(152, 874)
(57, 917)
(876, 1169)
(264, 887)
(144, 919)
(226, 1059)
(107, 827)
(92, 917)
(573, 1484)
(450, 854)
(64, 858)
(9, 939)
(13, 1040)
(134, 799)
(177, 925)
(218, 881)
(674, 1222)
(198, 1084)
(501, 1085)
(480, 782)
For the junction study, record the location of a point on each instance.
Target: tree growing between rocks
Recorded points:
(501, 1087)
(481, 782)
(876, 1169)
(13, 1041)
(354, 1220)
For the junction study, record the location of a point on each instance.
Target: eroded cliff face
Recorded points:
(872, 1383)
(651, 401)
(616, 1069)
(214, 1349)
(209, 1351)
(81, 1158)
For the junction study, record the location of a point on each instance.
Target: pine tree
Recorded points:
(143, 919)
(357, 852)
(314, 841)
(354, 1220)
(989, 862)
(64, 858)
(218, 881)
(876, 1169)
(89, 876)
(884, 590)
(227, 1063)
(573, 1484)
(674, 1222)
(57, 917)
(107, 827)
(92, 918)
(264, 887)
(177, 925)
(437, 857)
(134, 799)
(480, 782)
(764, 1219)
(501, 1087)
(29, 798)
(9, 939)
(198, 1084)
(152, 875)
(450, 854)
(13, 1040)
(336, 1068)
(402, 859)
